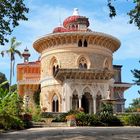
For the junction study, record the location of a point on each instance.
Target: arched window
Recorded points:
(82, 63)
(85, 65)
(53, 70)
(85, 43)
(106, 64)
(55, 104)
(80, 43)
(54, 66)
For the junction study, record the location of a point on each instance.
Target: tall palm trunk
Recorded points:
(10, 82)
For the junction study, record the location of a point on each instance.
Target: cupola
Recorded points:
(26, 54)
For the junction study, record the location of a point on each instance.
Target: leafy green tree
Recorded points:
(11, 12)
(136, 74)
(134, 14)
(14, 88)
(12, 51)
(3, 79)
(136, 103)
(36, 96)
(10, 109)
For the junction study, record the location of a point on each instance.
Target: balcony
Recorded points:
(87, 74)
(29, 81)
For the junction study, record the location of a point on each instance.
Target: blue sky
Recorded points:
(44, 15)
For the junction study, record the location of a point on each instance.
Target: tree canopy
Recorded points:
(136, 74)
(134, 14)
(11, 12)
(3, 79)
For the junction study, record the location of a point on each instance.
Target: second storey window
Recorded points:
(82, 63)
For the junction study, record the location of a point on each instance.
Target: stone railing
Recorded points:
(29, 81)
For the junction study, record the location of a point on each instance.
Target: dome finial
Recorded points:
(75, 12)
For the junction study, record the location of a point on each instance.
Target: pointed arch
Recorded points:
(75, 101)
(86, 89)
(83, 62)
(80, 43)
(85, 43)
(54, 65)
(55, 104)
(106, 64)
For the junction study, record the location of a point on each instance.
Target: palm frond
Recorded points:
(13, 40)
(18, 53)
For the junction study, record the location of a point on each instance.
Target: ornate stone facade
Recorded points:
(76, 68)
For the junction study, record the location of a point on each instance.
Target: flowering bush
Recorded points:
(71, 117)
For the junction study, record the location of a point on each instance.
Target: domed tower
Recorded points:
(26, 54)
(76, 66)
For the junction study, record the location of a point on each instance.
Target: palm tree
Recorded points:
(12, 51)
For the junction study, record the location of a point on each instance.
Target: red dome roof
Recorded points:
(75, 18)
(59, 29)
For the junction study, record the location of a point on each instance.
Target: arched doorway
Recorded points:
(87, 102)
(75, 100)
(55, 104)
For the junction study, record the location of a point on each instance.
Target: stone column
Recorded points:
(80, 102)
(94, 105)
(122, 107)
(70, 103)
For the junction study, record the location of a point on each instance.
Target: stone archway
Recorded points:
(75, 100)
(87, 102)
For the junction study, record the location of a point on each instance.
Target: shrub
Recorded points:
(83, 119)
(110, 120)
(95, 120)
(60, 118)
(10, 122)
(36, 114)
(10, 109)
(27, 118)
(124, 118)
(46, 115)
(134, 120)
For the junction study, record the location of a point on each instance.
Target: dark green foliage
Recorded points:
(11, 12)
(106, 108)
(134, 120)
(111, 8)
(83, 119)
(10, 110)
(8, 121)
(134, 13)
(110, 120)
(3, 79)
(124, 118)
(136, 74)
(72, 112)
(36, 96)
(95, 120)
(36, 114)
(60, 118)
(135, 105)
(27, 120)
(106, 116)
(14, 88)
(46, 115)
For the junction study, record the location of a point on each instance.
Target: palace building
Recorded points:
(75, 69)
